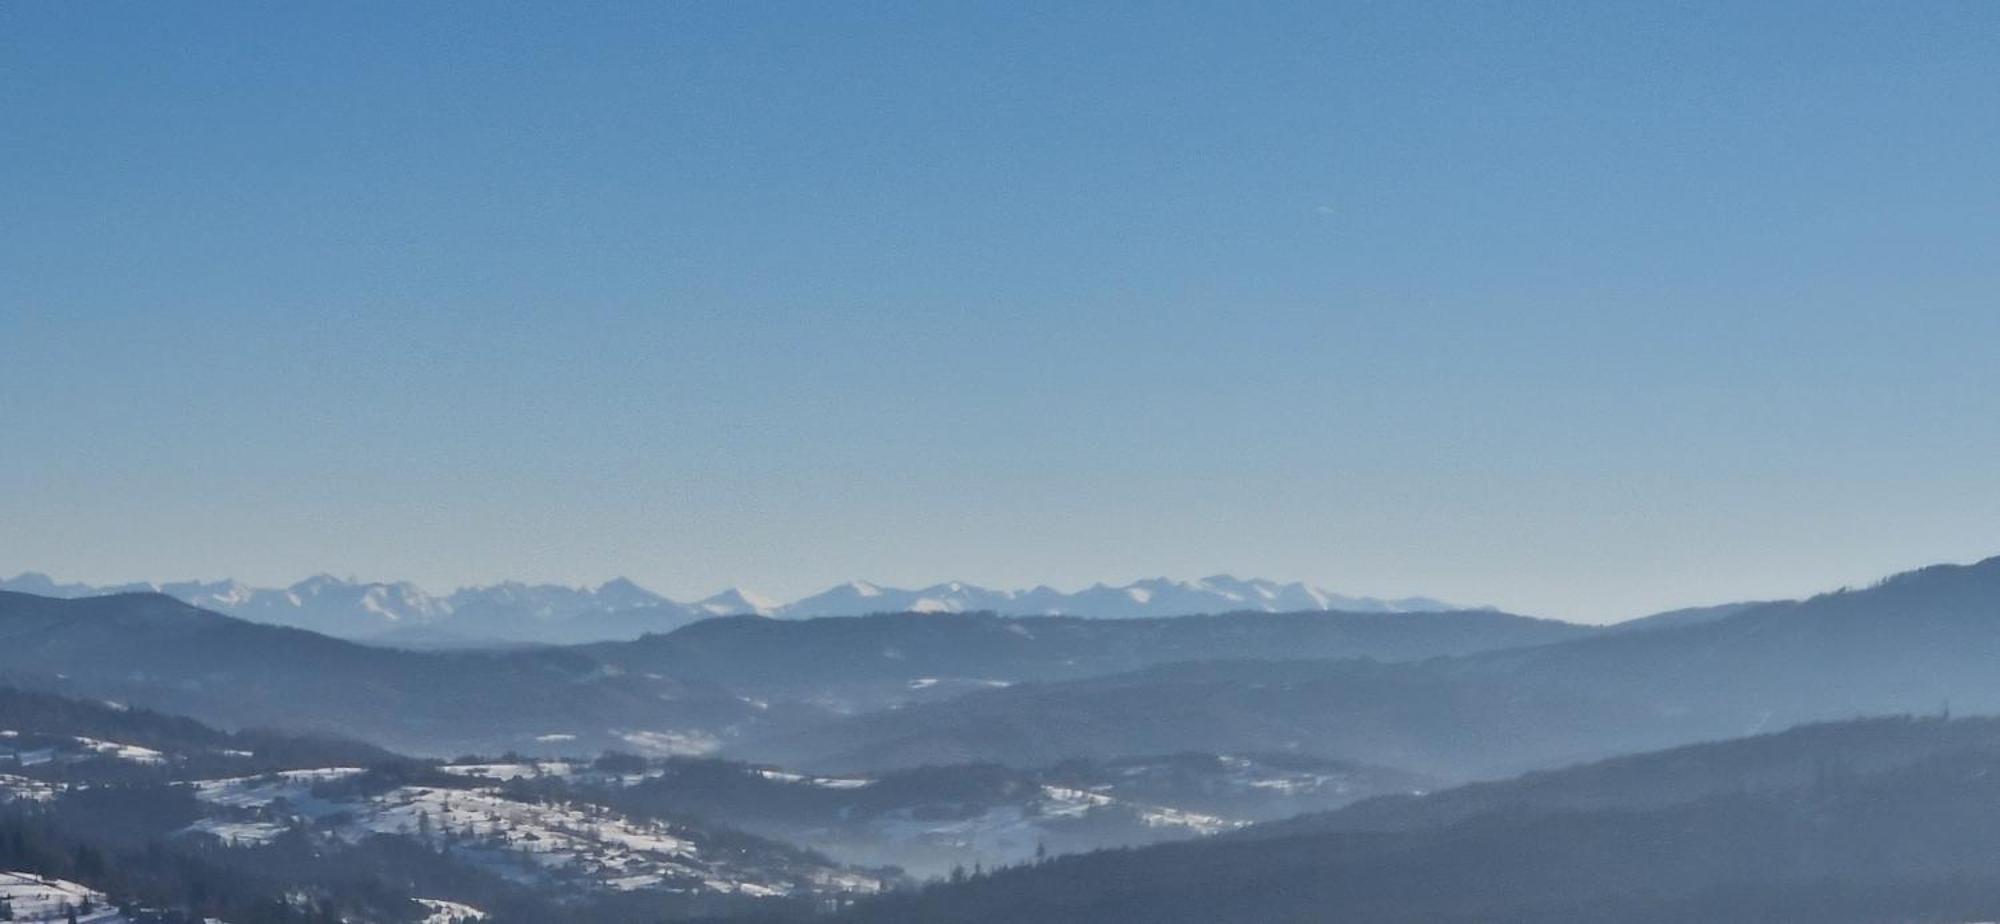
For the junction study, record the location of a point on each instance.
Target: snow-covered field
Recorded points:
(32, 750)
(20, 787)
(33, 898)
(131, 752)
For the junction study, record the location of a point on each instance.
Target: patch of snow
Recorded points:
(672, 743)
(23, 789)
(505, 772)
(824, 782)
(131, 752)
(447, 912)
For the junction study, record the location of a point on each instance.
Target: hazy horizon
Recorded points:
(755, 591)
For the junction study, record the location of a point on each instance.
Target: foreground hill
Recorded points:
(1793, 760)
(1913, 643)
(1863, 822)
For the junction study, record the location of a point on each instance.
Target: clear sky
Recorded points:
(1578, 309)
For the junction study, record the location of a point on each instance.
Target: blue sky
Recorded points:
(1578, 309)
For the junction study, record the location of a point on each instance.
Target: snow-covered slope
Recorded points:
(736, 601)
(36, 898)
(535, 842)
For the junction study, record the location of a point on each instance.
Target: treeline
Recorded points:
(188, 748)
(158, 884)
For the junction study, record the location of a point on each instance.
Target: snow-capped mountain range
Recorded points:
(516, 612)
(1152, 597)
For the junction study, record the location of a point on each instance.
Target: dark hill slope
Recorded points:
(1865, 836)
(1913, 643)
(872, 661)
(155, 651)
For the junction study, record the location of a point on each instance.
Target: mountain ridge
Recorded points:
(689, 691)
(513, 611)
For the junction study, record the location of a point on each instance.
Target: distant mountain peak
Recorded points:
(736, 601)
(622, 593)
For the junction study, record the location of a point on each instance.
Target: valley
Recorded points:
(893, 765)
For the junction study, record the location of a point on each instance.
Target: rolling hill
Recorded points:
(1917, 642)
(155, 651)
